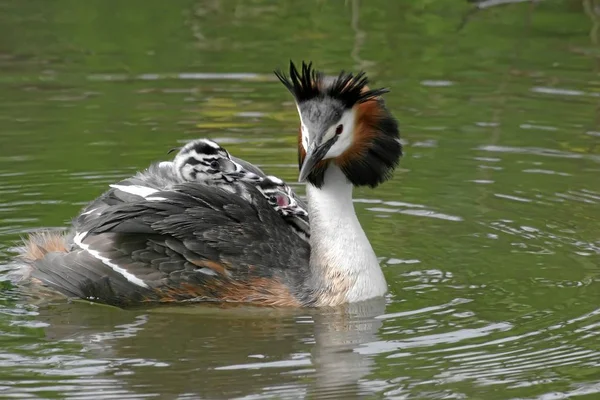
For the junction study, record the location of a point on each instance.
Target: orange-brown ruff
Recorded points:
(368, 115)
(153, 238)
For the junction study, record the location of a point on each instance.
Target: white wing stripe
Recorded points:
(136, 189)
(78, 239)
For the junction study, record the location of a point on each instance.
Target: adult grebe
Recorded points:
(210, 227)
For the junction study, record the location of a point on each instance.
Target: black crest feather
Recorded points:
(347, 88)
(305, 85)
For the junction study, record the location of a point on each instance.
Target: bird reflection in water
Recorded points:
(212, 352)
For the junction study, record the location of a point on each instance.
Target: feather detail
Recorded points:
(309, 84)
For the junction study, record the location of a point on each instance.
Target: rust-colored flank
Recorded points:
(218, 268)
(257, 291)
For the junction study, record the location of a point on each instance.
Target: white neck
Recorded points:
(343, 264)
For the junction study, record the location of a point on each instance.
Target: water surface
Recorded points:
(488, 233)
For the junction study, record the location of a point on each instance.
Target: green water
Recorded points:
(489, 232)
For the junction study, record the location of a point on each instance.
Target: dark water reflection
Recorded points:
(487, 234)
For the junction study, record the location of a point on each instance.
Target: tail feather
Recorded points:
(53, 272)
(38, 244)
(50, 261)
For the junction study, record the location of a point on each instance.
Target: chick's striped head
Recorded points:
(203, 160)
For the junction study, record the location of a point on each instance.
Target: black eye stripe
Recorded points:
(192, 161)
(202, 159)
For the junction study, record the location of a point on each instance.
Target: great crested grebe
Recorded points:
(210, 227)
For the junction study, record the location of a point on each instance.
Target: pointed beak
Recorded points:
(314, 154)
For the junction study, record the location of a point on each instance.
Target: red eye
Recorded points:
(339, 129)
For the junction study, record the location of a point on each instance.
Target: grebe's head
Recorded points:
(275, 191)
(280, 196)
(204, 160)
(344, 122)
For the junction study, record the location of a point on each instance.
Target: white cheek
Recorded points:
(345, 139)
(342, 144)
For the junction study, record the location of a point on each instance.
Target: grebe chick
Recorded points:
(159, 238)
(285, 201)
(207, 163)
(203, 160)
